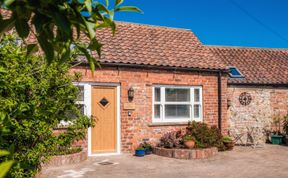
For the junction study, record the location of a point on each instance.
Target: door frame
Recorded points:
(88, 111)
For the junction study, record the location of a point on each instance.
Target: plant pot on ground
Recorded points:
(286, 140)
(228, 142)
(140, 151)
(148, 148)
(189, 141)
(276, 139)
(277, 136)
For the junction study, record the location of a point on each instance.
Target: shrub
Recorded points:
(172, 140)
(276, 124)
(67, 151)
(188, 138)
(285, 124)
(34, 98)
(140, 148)
(5, 166)
(146, 145)
(204, 136)
(227, 139)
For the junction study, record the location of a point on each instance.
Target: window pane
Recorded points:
(72, 115)
(197, 111)
(177, 111)
(157, 111)
(196, 95)
(234, 72)
(81, 107)
(80, 96)
(157, 95)
(176, 94)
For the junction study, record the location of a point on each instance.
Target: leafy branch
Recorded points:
(57, 24)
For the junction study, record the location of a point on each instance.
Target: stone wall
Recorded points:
(138, 126)
(267, 102)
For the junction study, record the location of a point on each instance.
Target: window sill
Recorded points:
(156, 124)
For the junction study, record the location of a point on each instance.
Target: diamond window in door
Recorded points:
(103, 102)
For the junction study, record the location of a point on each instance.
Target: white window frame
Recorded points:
(163, 102)
(66, 124)
(82, 102)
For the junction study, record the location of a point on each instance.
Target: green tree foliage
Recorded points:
(58, 23)
(5, 166)
(34, 99)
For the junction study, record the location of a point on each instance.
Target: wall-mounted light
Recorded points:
(131, 93)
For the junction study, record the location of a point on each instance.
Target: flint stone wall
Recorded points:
(267, 102)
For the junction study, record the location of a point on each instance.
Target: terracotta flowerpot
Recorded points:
(189, 144)
(229, 145)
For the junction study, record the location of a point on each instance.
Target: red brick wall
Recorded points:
(279, 101)
(137, 127)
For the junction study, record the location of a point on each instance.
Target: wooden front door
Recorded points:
(104, 112)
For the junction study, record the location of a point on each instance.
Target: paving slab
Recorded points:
(271, 161)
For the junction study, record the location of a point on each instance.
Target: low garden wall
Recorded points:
(186, 153)
(68, 159)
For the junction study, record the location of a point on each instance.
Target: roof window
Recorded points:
(235, 73)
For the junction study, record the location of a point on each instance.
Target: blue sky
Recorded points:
(219, 22)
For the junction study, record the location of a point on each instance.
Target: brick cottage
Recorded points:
(154, 80)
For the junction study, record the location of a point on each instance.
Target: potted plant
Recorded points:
(228, 142)
(285, 128)
(148, 148)
(277, 137)
(140, 151)
(189, 141)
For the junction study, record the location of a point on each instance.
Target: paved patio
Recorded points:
(269, 161)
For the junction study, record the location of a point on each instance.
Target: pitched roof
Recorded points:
(258, 65)
(156, 46)
(172, 47)
(151, 45)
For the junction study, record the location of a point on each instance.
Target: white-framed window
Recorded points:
(177, 103)
(80, 99)
(80, 102)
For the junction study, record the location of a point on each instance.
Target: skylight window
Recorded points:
(234, 72)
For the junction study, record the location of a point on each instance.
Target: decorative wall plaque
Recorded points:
(129, 106)
(245, 98)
